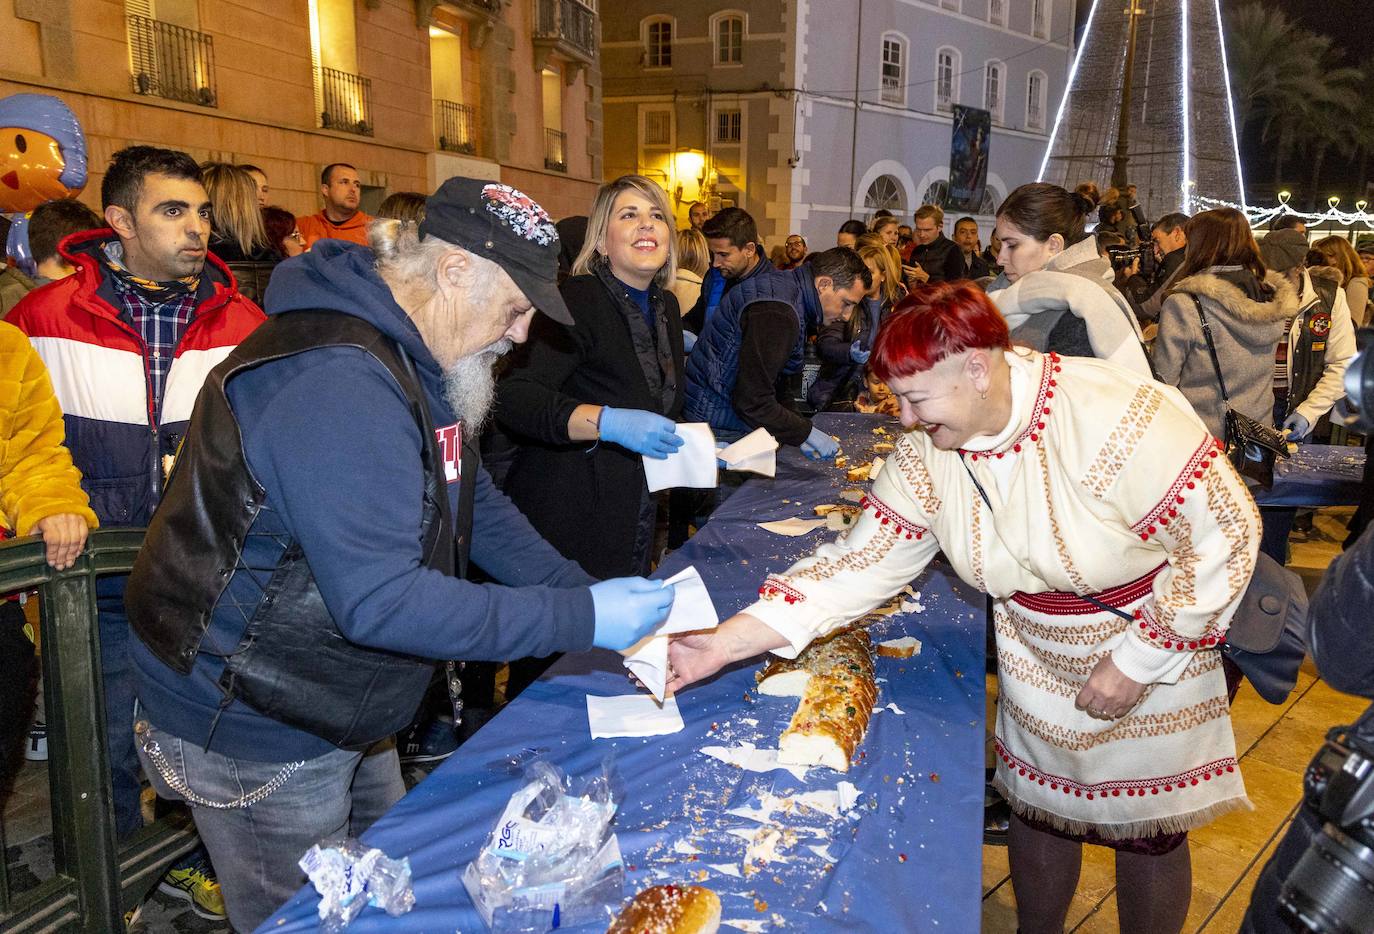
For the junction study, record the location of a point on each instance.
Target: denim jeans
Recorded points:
(255, 848)
(117, 679)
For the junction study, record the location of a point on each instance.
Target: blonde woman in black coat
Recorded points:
(586, 403)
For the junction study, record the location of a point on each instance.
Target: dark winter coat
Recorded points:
(589, 499)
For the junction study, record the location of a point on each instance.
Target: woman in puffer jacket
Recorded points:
(40, 492)
(1055, 290)
(1247, 309)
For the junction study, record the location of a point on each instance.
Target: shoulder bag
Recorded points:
(1252, 446)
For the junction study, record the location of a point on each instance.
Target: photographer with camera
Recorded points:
(1321, 876)
(1169, 237)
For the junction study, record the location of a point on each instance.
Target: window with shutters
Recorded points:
(994, 85)
(1035, 100)
(658, 128)
(728, 126)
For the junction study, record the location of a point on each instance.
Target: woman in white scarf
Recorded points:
(1055, 291)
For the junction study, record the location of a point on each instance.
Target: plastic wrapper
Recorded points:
(551, 860)
(350, 876)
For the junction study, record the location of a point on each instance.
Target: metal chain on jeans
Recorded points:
(175, 782)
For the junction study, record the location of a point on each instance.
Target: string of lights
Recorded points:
(1261, 216)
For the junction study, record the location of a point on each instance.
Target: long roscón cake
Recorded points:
(834, 679)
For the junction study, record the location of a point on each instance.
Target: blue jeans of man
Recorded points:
(117, 678)
(255, 849)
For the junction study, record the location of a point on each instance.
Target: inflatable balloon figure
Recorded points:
(42, 152)
(42, 157)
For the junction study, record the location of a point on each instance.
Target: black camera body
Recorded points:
(1331, 888)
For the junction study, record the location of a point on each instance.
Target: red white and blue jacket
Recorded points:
(99, 369)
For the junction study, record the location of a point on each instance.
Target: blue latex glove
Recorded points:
(689, 340)
(820, 446)
(627, 609)
(643, 432)
(857, 354)
(1296, 427)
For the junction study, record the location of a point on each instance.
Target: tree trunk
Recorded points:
(1363, 175)
(1317, 159)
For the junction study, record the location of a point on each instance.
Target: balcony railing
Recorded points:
(892, 89)
(455, 127)
(555, 150)
(569, 23)
(346, 101)
(171, 61)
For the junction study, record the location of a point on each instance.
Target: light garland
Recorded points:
(1259, 217)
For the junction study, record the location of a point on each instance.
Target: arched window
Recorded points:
(994, 89)
(1035, 100)
(894, 69)
(885, 192)
(658, 42)
(946, 79)
(727, 32)
(1040, 19)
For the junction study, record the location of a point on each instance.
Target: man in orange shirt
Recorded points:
(341, 189)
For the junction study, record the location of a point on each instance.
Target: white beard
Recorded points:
(470, 386)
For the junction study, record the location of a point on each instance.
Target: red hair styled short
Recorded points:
(933, 323)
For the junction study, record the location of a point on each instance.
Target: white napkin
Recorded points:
(691, 465)
(792, 526)
(632, 715)
(692, 609)
(756, 452)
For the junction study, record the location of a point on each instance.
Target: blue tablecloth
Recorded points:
(906, 858)
(1317, 475)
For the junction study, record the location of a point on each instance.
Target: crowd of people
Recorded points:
(421, 436)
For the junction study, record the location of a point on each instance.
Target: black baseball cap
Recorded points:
(508, 227)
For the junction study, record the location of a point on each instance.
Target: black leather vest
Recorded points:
(293, 664)
(1308, 362)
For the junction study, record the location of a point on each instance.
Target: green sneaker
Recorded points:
(195, 882)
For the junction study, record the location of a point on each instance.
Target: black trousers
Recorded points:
(16, 689)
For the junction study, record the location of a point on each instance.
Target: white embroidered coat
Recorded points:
(1115, 490)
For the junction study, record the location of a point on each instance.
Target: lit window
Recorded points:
(730, 40)
(728, 124)
(894, 85)
(659, 38)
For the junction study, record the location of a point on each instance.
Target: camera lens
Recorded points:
(1331, 889)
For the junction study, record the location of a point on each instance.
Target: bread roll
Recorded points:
(834, 678)
(670, 909)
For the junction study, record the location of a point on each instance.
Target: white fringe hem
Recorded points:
(1173, 823)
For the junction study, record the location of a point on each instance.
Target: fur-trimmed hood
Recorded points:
(1231, 297)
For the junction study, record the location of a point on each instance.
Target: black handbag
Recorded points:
(1268, 635)
(1251, 446)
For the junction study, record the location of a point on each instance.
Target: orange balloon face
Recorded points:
(30, 163)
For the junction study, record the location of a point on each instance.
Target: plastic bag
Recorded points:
(350, 876)
(551, 860)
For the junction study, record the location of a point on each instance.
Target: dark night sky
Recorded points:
(1349, 22)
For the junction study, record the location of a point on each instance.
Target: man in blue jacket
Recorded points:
(308, 563)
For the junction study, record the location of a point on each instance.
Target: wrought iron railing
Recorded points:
(455, 126)
(555, 150)
(892, 89)
(171, 61)
(345, 101)
(567, 20)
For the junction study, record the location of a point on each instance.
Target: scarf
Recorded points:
(652, 349)
(153, 290)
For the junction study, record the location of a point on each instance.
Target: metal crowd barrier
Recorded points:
(97, 878)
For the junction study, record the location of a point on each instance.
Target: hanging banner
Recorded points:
(968, 159)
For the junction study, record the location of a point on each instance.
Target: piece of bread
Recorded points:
(858, 474)
(670, 909)
(852, 512)
(834, 678)
(905, 647)
(884, 447)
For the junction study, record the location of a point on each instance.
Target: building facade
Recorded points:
(809, 112)
(409, 91)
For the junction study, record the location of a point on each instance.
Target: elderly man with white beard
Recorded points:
(309, 561)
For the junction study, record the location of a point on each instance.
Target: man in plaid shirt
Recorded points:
(128, 340)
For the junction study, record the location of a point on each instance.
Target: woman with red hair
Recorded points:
(1115, 540)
